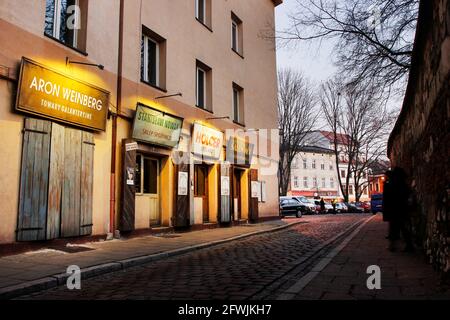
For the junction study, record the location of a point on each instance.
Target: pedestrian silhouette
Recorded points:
(395, 208)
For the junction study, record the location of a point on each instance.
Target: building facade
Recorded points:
(116, 118)
(314, 174)
(325, 139)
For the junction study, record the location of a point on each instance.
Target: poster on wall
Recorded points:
(256, 189)
(182, 183)
(130, 176)
(225, 185)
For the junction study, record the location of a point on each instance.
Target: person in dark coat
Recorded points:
(395, 208)
(322, 205)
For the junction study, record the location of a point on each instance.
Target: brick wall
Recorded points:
(419, 142)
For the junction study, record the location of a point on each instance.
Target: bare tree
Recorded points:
(297, 116)
(374, 38)
(360, 122)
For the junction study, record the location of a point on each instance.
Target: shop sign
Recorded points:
(239, 151)
(156, 127)
(53, 95)
(206, 142)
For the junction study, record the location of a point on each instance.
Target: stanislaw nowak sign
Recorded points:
(53, 95)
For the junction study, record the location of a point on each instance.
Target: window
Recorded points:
(295, 182)
(315, 182)
(200, 175)
(324, 184)
(350, 189)
(66, 21)
(294, 164)
(342, 173)
(153, 57)
(146, 175)
(305, 182)
(322, 166)
(203, 12)
(313, 164)
(331, 166)
(238, 104)
(203, 86)
(236, 34)
(332, 183)
(377, 187)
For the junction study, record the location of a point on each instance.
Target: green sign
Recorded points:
(156, 127)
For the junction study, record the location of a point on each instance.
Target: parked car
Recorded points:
(341, 207)
(353, 208)
(290, 206)
(365, 205)
(309, 206)
(376, 203)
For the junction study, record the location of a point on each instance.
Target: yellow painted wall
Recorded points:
(213, 193)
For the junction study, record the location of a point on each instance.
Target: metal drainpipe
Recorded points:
(112, 208)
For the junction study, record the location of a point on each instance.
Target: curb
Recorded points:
(56, 280)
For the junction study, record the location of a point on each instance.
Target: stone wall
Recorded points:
(420, 141)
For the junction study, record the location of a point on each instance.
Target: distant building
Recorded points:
(325, 140)
(314, 174)
(377, 177)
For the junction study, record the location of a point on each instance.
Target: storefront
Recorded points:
(62, 116)
(147, 169)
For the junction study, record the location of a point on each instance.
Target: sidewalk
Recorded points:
(42, 269)
(403, 275)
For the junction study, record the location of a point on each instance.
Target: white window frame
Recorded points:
(305, 164)
(57, 23)
(236, 117)
(332, 183)
(324, 183)
(296, 182)
(236, 27)
(305, 182)
(197, 87)
(146, 55)
(197, 11)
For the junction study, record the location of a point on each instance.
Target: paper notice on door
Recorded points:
(225, 185)
(182, 183)
(130, 176)
(256, 189)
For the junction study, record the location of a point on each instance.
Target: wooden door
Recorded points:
(34, 180)
(180, 218)
(253, 202)
(237, 194)
(201, 189)
(225, 192)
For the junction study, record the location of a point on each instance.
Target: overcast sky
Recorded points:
(315, 61)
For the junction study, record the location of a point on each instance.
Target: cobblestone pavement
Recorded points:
(238, 270)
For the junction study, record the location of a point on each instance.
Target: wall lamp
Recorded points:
(100, 66)
(218, 118)
(169, 96)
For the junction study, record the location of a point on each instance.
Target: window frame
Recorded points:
(234, 36)
(142, 175)
(197, 11)
(145, 76)
(197, 69)
(56, 32)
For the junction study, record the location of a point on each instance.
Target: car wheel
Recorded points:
(299, 214)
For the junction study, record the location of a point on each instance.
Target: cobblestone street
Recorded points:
(252, 268)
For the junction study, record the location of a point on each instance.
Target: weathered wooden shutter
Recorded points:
(127, 215)
(225, 200)
(180, 218)
(87, 183)
(31, 224)
(253, 208)
(56, 179)
(71, 188)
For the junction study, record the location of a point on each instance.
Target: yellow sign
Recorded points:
(54, 95)
(206, 142)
